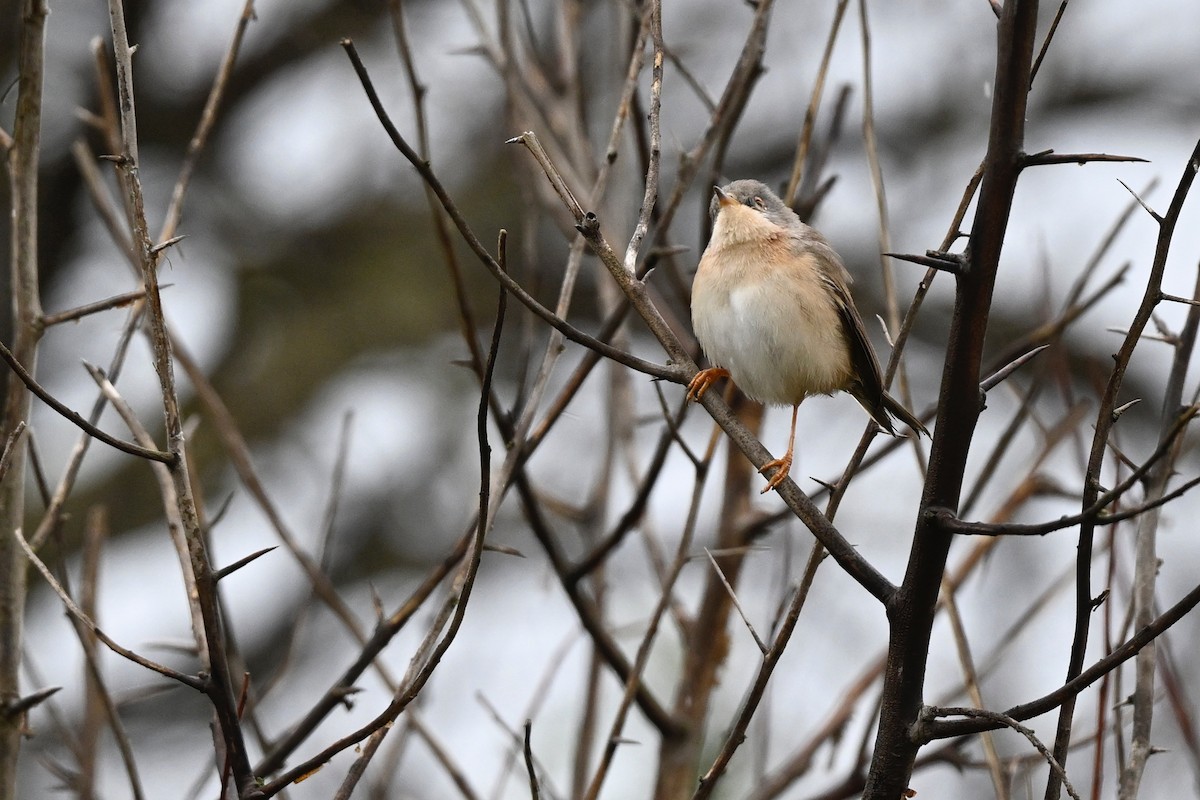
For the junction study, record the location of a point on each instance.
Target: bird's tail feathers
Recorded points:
(897, 410)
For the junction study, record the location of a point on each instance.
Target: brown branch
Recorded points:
(1005, 721)
(220, 688)
(72, 314)
(77, 614)
(814, 103)
(530, 770)
(426, 172)
(22, 158)
(80, 422)
(944, 262)
(1104, 422)
(912, 609)
(208, 118)
(1037, 62)
(459, 597)
(1051, 157)
(944, 729)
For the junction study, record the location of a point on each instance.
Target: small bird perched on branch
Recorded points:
(771, 307)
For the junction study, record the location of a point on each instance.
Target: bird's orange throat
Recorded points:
(738, 224)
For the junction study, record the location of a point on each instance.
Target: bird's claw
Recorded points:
(702, 380)
(782, 467)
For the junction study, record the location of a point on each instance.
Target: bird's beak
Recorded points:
(722, 198)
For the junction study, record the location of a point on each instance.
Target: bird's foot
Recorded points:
(782, 467)
(702, 380)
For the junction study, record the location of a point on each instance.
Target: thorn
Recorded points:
(235, 566)
(504, 550)
(945, 262)
(23, 704)
(1121, 409)
(887, 335)
(376, 603)
(158, 248)
(1177, 299)
(830, 486)
(1141, 202)
(345, 695)
(999, 375)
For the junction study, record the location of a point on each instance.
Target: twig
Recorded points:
(762, 647)
(208, 118)
(1050, 157)
(408, 692)
(944, 262)
(1000, 375)
(77, 614)
(1104, 423)
(1037, 62)
(220, 686)
(534, 791)
(1009, 722)
(116, 301)
(575, 335)
(814, 104)
(1072, 688)
(80, 422)
(650, 195)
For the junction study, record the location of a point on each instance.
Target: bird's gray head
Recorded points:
(756, 195)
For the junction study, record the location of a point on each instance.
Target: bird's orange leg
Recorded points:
(702, 380)
(782, 466)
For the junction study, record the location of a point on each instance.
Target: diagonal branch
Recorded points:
(79, 421)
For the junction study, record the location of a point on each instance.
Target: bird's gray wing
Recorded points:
(869, 389)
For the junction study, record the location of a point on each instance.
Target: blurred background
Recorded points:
(311, 291)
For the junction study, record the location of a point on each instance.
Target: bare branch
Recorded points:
(116, 301)
(1050, 157)
(1003, 720)
(77, 614)
(80, 422)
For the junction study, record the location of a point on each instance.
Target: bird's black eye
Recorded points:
(759, 204)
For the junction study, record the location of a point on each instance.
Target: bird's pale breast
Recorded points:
(764, 313)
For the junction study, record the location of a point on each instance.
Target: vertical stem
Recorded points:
(707, 636)
(1104, 422)
(911, 610)
(1146, 565)
(203, 578)
(23, 158)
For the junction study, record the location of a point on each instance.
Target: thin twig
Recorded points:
(116, 301)
(762, 646)
(77, 613)
(1099, 448)
(1009, 722)
(80, 422)
(534, 790)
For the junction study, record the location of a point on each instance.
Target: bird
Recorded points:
(772, 310)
